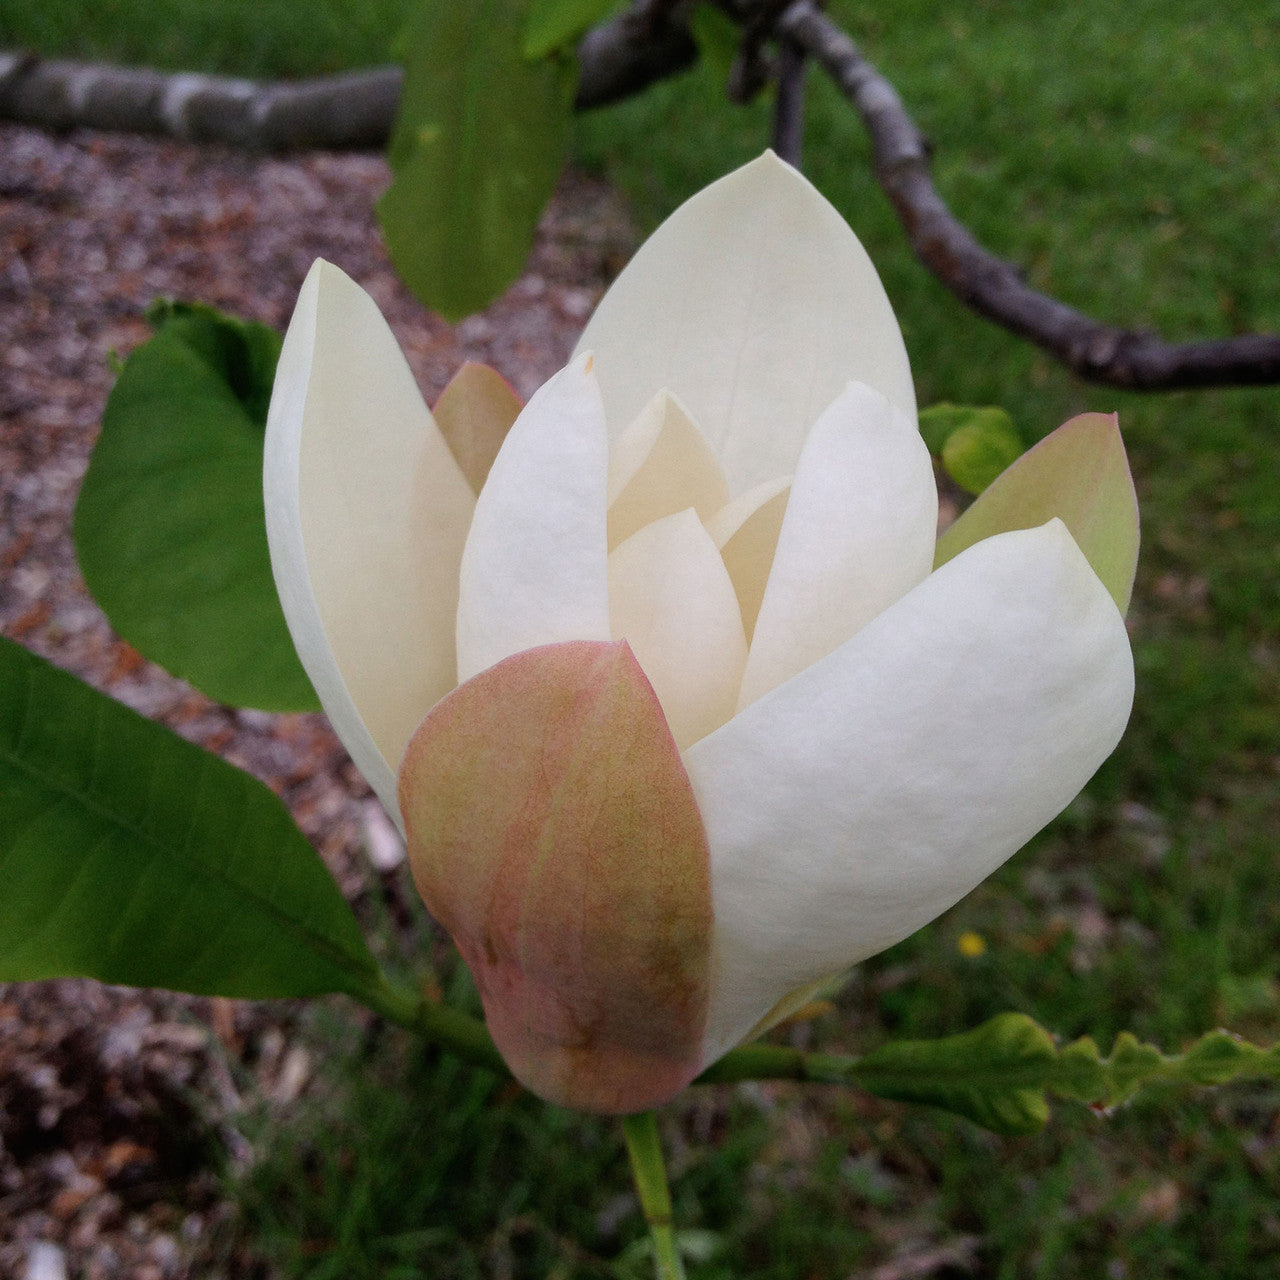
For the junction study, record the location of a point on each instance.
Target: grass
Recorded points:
(1125, 155)
(254, 38)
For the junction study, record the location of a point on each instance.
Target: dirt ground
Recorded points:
(111, 1099)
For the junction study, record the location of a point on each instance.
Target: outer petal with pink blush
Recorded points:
(552, 831)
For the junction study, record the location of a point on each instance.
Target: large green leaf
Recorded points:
(553, 24)
(477, 147)
(129, 855)
(169, 526)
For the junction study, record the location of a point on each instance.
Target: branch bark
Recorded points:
(1103, 353)
(352, 111)
(788, 106)
(336, 112)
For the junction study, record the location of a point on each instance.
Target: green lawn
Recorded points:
(256, 38)
(1126, 156)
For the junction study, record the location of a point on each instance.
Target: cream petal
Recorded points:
(671, 599)
(746, 531)
(755, 304)
(858, 534)
(856, 802)
(534, 568)
(367, 513)
(659, 465)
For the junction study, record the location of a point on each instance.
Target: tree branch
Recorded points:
(788, 108)
(336, 112)
(991, 286)
(647, 42)
(352, 111)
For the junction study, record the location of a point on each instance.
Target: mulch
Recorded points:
(111, 1100)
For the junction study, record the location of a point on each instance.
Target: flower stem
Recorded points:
(644, 1147)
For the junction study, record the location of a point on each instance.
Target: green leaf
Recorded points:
(718, 39)
(978, 452)
(129, 855)
(1002, 1074)
(1216, 1058)
(976, 443)
(553, 24)
(1080, 474)
(992, 1075)
(476, 151)
(942, 420)
(169, 526)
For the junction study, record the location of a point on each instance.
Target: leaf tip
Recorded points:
(1079, 473)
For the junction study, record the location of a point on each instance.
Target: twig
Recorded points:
(645, 43)
(450, 1028)
(990, 285)
(334, 112)
(788, 110)
(356, 110)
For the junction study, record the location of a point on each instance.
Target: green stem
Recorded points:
(469, 1038)
(458, 1032)
(777, 1062)
(644, 1147)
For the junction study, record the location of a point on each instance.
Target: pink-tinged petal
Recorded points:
(660, 465)
(746, 531)
(858, 534)
(367, 513)
(853, 804)
(534, 568)
(553, 832)
(1079, 473)
(474, 413)
(755, 304)
(671, 600)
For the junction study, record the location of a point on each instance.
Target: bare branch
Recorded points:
(336, 112)
(647, 42)
(990, 285)
(643, 44)
(355, 110)
(788, 109)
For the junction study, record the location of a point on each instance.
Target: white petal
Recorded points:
(534, 569)
(746, 531)
(367, 512)
(671, 599)
(856, 802)
(659, 465)
(755, 304)
(858, 534)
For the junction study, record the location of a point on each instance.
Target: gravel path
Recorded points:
(109, 1097)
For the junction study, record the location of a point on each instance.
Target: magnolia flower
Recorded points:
(661, 682)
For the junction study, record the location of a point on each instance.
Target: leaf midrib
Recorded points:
(317, 942)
